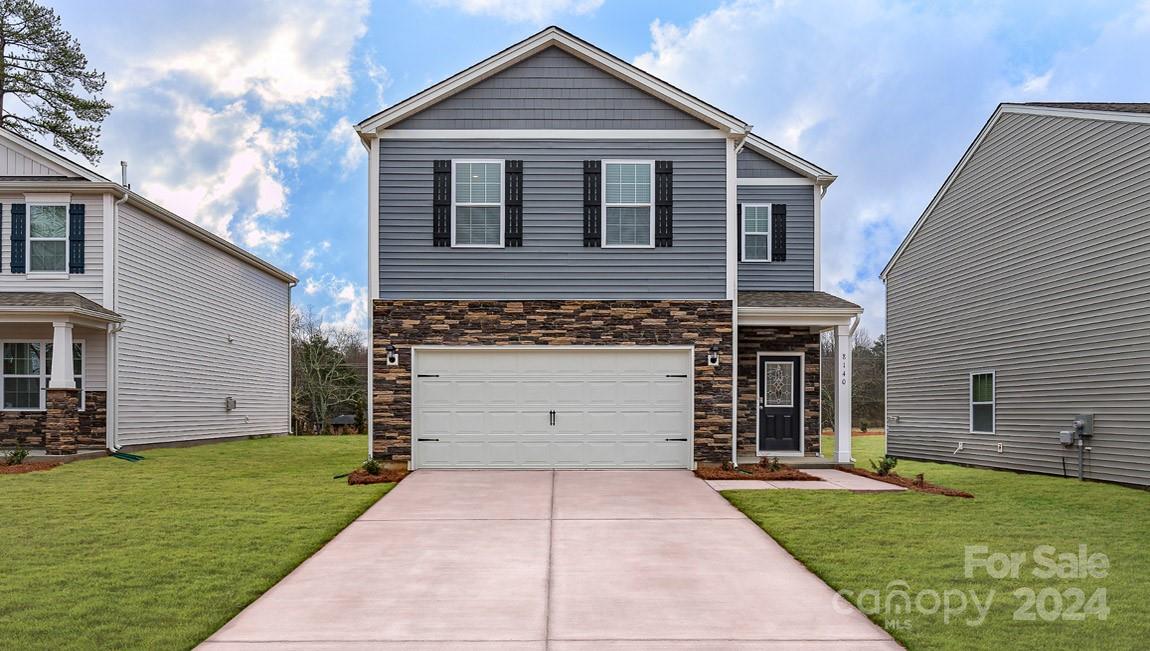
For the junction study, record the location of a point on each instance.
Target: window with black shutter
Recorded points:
(76, 238)
(664, 201)
(513, 202)
(441, 204)
(19, 235)
(592, 202)
(778, 232)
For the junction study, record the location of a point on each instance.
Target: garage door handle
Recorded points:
(682, 439)
(683, 375)
(435, 440)
(552, 415)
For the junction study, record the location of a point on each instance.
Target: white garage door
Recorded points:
(544, 407)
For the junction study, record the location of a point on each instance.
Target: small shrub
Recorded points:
(863, 427)
(770, 464)
(883, 467)
(372, 467)
(15, 457)
(726, 466)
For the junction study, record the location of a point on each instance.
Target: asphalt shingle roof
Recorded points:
(793, 299)
(54, 300)
(1118, 107)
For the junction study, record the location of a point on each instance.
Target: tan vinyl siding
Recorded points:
(19, 162)
(1034, 264)
(89, 284)
(182, 300)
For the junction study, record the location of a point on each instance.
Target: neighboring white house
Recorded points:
(176, 334)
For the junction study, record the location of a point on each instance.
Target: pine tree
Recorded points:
(46, 87)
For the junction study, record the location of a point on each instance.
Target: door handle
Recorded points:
(552, 415)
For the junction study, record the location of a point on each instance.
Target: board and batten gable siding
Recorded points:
(552, 90)
(183, 299)
(753, 165)
(552, 263)
(797, 272)
(1035, 264)
(16, 161)
(89, 284)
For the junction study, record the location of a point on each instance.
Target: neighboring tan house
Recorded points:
(173, 333)
(1021, 299)
(568, 256)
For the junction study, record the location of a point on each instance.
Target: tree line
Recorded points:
(868, 380)
(329, 374)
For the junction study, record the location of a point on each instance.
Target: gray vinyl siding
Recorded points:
(797, 273)
(183, 299)
(552, 90)
(1034, 264)
(89, 284)
(553, 263)
(753, 165)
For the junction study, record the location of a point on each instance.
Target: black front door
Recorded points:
(780, 403)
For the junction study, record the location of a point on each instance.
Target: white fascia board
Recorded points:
(749, 316)
(37, 149)
(986, 128)
(553, 36)
(550, 134)
(1020, 109)
(789, 160)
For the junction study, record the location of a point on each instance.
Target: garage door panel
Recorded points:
(614, 408)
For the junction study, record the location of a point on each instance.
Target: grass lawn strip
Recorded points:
(159, 554)
(860, 542)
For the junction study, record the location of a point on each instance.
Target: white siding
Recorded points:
(89, 284)
(182, 300)
(18, 161)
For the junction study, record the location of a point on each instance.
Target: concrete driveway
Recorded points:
(565, 560)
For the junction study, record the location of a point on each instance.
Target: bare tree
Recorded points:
(868, 379)
(329, 368)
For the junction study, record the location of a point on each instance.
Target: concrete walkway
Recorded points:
(566, 560)
(831, 480)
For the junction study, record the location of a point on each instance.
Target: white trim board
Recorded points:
(553, 36)
(1003, 109)
(789, 160)
(552, 134)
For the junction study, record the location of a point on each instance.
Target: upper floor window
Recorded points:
(982, 403)
(756, 233)
(628, 211)
(477, 204)
(47, 238)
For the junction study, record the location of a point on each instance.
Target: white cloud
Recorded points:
(344, 138)
(521, 11)
(346, 302)
(888, 96)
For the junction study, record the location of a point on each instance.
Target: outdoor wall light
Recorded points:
(392, 355)
(713, 356)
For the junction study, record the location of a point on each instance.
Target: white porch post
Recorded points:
(62, 375)
(843, 353)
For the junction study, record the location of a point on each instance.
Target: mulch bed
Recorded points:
(361, 476)
(22, 468)
(754, 471)
(913, 483)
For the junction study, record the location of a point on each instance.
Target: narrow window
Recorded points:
(628, 215)
(756, 233)
(23, 374)
(982, 403)
(47, 238)
(477, 204)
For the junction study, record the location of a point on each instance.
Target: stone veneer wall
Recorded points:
(573, 322)
(26, 428)
(757, 339)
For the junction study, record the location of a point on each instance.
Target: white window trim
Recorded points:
(46, 201)
(45, 373)
(502, 204)
(993, 401)
(604, 205)
(743, 231)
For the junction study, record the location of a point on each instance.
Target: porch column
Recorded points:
(62, 372)
(843, 353)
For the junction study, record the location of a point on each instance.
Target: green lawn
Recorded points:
(867, 541)
(159, 554)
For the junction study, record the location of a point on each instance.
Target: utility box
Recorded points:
(1084, 425)
(229, 403)
(1066, 437)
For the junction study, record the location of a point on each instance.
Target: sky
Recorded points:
(238, 115)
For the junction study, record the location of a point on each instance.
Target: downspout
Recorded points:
(112, 426)
(735, 310)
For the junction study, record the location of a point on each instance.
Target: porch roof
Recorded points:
(55, 303)
(815, 309)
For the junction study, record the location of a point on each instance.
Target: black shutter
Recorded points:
(739, 233)
(441, 204)
(664, 200)
(513, 229)
(76, 238)
(592, 202)
(778, 232)
(19, 219)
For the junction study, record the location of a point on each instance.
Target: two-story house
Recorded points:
(1017, 305)
(169, 333)
(576, 264)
